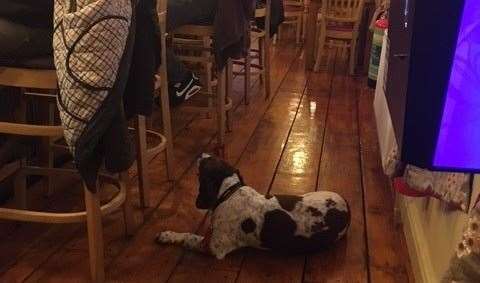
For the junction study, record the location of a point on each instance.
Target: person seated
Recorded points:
(183, 84)
(26, 31)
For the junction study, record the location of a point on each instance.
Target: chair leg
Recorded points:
(220, 104)
(353, 56)
(142, 161)
(95, 236)
(298, 29)
(128, 216)
(207, 41)
(266, 68)
(320, 48)
(229, 90)
(247, 82)
(304, 25)
(261, 57)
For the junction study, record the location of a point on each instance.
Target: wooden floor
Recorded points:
(318, 133)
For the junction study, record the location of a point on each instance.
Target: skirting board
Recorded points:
(416, 242)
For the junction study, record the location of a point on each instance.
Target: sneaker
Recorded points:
(183, 91)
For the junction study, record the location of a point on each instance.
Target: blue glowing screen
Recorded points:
(458, 145)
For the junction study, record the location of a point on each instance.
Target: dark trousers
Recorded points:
(185, 12)
(19, 42)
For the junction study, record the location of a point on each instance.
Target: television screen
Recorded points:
(458, 144)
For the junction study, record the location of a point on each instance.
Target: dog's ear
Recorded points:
(208, 192)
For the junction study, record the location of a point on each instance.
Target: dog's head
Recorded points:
(212, 171)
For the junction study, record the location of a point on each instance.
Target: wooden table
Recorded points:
(311, 35)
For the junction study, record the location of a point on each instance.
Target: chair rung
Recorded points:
(71, 217)
(30, 130)
(9, 169)
(194, 59)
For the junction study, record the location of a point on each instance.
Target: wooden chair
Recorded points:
(295, 14)
(165, 144)
(26, 79)
(340, 21)
(193, 45)
(262, 54)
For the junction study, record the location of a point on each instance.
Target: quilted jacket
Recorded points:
(94, 42)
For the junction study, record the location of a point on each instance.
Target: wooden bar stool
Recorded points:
(165, 144)
(262, 54)
(47, 80)
(193, 45)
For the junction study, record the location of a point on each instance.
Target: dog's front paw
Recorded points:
(167, 237)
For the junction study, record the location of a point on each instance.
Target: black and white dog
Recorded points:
(241, 217)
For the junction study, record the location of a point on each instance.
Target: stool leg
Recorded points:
(248, 73)
(221, 89)
(95, 236)
(128, 215)
(167, 132)
(20, 180)
(20, 187)
(46, 156)
(142, 161)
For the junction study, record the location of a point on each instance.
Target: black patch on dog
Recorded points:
(268, 196)
(278, 232)
(278, 229)
(337, 220)
(330, 202)
(314, 211)
(249, 226)
(288, 202)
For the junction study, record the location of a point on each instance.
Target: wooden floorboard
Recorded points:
(340, 172)
(388, 258)
(316, 134)
(296, 173)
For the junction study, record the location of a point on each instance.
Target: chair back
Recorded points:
(265, 13)
(294, 3)
(343, 10)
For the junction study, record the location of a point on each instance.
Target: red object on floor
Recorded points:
(403, 188)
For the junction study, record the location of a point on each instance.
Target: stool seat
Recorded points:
(33, 78)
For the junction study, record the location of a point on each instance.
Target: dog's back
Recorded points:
(297, 224)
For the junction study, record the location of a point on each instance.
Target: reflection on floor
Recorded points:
(317, 133)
